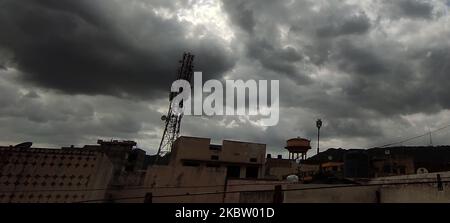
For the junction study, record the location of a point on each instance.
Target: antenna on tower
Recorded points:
(172, 119)
(431, 137)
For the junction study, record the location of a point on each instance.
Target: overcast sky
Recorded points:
(75, 71)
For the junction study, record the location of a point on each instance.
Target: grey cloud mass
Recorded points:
(414, 8)
(78, 46)
(374, 71)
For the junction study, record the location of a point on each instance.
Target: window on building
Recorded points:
(215, 147)
(213, 165)
(187, 163)
(251, 172)
(387, 168)
(253, 160)
(233, 171)
(214, 157)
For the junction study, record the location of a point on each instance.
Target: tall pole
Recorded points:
(318, 140)
(318, 125)
(431, 139)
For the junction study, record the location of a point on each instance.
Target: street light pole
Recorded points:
(318, 125)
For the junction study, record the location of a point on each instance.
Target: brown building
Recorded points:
(69, 174)
(240, 159)
(112, 171)
(199, 171)
(36, 175)
(332, 167)
(279, 168)
(123, 154)
(381, 162)
(197, 166)
(392, 166)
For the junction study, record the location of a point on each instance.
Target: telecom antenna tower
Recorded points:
(173, 120)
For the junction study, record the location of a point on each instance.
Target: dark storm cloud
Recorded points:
(261, 41)
(372, 70)
(373, 75)
(51, 119)
(415, 8)
(241, 15)
(275, 27)
(437, 65)
(408, 9)
(357, 24)
(352, 128)
(280, 60)
(392, 81)
(90, 48)
(359, 60)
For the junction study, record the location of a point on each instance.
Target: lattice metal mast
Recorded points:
(172, 119)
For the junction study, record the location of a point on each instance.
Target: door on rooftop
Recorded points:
(251, 172)
(233, 172)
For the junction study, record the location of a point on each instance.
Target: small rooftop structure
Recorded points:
(298, 147)
(24, 145)
(126, 143)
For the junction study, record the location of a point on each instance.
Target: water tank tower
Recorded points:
(298, 147)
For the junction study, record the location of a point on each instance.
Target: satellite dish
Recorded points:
(422, 170)
(24, 145)
(292, 178)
